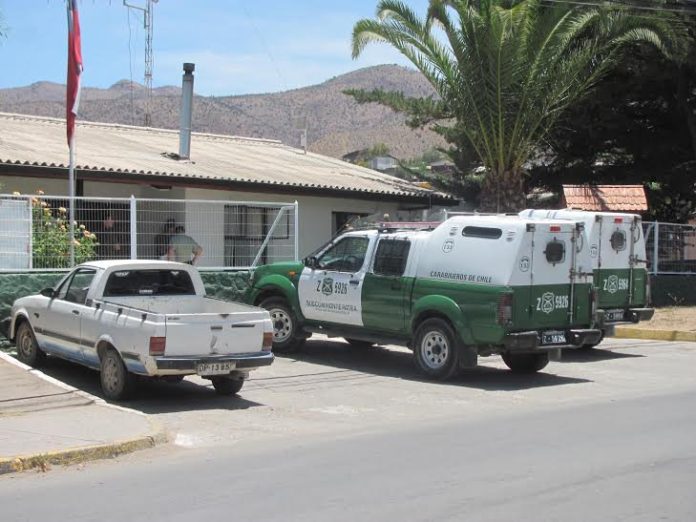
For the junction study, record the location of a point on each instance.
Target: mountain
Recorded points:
(336, 124)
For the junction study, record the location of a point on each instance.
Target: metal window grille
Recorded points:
(34, 233)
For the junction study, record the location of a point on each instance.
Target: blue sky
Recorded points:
(238, 46)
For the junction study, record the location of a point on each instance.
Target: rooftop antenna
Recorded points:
(147, 24)
(299, 122)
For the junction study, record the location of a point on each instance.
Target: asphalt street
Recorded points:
(618, 443)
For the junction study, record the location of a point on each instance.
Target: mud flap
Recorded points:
(468, 357)
(555, 354)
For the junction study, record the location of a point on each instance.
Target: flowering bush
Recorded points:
(51, 238)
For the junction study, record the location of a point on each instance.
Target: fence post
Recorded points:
(656, 245)
(297, 231)
(133, 228)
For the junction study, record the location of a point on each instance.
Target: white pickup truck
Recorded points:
(142, 318)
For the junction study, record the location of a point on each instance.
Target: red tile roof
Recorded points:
(605, 197)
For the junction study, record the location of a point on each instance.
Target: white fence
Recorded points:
(231, 234)
(670, 247)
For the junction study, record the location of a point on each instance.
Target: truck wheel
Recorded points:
(435, 349)
(28, 350)
(226, 385)
(526, 362)
(357, 343)
(285, 339)
(117, 383)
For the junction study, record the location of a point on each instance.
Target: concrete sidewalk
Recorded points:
(44, 421)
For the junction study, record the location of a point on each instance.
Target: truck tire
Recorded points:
(28, 350)
(285, 334)
(357, 343)
(435, 349)
(526, 362)
(117, 383)
(227, 385)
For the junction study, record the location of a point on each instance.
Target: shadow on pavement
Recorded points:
(151, 396)
(385, 362)
(595, 354)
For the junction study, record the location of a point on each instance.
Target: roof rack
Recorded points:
(407, 225)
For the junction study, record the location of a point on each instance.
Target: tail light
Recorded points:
(157, 345)
(505, 309)
(648, 291)
(267, 341)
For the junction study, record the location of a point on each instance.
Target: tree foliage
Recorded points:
(505, 71)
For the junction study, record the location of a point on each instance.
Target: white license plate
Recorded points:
(215, 368)
(614, 315)
(553, 338)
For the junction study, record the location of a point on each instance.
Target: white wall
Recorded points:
(315, 212)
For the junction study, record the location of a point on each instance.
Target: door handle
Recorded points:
(76, 312)
(36, 314)
(354, 282)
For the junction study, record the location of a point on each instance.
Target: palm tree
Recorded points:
(505, 70)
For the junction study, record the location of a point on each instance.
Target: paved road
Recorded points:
(624, 460)
(340, 435)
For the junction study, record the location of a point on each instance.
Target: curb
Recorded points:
(81, 454)
(656, 335)
(69, 457)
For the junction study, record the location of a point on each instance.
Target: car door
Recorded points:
(384, 289)
(62, 317)
(330, 291)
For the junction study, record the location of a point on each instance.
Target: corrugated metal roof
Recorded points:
(606, 197)
(103, 147)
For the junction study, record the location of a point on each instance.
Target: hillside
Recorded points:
(336, 124)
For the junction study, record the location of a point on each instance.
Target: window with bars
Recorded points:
(246, 227)
(391, 257)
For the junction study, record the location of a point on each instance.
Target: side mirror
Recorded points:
(310, 262)
(48, 292)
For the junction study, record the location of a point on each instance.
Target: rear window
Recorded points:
(484, 232)
(148, 282)
(555, 251)
(618, 240)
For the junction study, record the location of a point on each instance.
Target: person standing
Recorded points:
(183, 248)
(162, 239)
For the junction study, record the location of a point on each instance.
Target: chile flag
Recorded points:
(74, 68)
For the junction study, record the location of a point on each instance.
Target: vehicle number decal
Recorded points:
(613, 284)
(327, 286)
(549, 302)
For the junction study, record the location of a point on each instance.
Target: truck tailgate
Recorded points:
(215, 333)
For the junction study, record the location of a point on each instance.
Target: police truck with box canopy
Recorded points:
(469, 286)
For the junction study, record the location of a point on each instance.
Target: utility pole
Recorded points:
(147, 25)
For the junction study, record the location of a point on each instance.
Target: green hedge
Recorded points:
(673, 290)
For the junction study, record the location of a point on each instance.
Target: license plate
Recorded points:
(553, 338)
(215, 368)
(614, 315)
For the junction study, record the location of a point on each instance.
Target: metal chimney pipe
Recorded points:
(186, 111)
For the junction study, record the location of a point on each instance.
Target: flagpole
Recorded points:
(72, 103)
(71, 208)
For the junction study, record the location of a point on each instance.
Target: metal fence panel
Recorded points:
(670, 247)
(230, 234)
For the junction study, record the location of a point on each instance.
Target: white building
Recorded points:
(120, 161)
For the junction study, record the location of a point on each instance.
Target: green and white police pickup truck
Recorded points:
(617, 250)
(470, 286)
